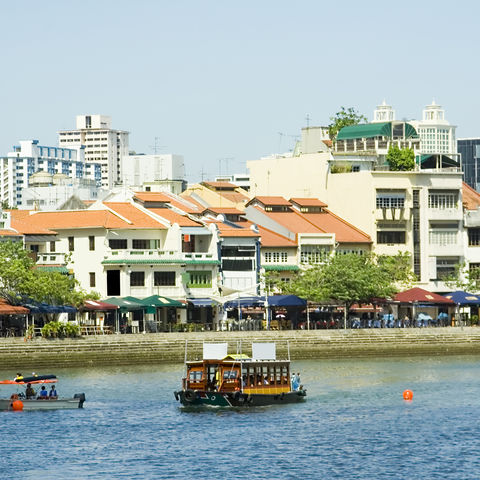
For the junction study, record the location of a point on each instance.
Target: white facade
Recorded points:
(383, 113)
(18, 167)
(103, 145)
(239, 179)
(138, 170)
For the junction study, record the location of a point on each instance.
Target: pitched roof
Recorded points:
(273, 239)
(231, 211)
(308, 202)
(277, 201)
(215, 185)
(174, 217)
(226, 230)
(471, 198)
(152, 197)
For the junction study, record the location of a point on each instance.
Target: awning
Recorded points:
(464, 298)
(97, 305)
(7, 309)
(286, 301)
(38, 308)
(420, 296)
(161, 301)
(195, 231)
(202, 302)
(125, 304)
(245, 302)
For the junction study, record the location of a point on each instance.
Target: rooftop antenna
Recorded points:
(307, 118)
(156, 147)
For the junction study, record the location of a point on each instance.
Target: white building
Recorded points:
(162, 172)
(18, 167)
(103, 145)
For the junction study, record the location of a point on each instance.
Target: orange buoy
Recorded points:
(17, 405)
(407, 395)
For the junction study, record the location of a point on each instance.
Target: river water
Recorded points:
(354, 425)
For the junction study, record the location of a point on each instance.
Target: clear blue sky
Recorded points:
(216, 80)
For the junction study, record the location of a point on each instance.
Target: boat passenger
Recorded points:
(19, 377)
(53, 393)
(43, 395)
(29, 392)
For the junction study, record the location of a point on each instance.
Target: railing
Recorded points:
(130, 254)
(52, 258)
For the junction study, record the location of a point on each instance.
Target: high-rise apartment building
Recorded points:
(103, 145)
(18, 168)
(469, 149)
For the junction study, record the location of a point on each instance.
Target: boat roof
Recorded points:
(32, 379)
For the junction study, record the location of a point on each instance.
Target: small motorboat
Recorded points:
(239, 380)
(25, 398)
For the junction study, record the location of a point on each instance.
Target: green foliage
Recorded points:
(353, 278)
(344, 118)
(19, 278)
(57, 329)
(346, 168)
(464, 279)
(400, 159)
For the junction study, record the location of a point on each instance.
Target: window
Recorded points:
(71, 244)
(199, 279)
(276, 257)
(137, 279)
(91, 242)
(443, 233)
(92, 279)
(238, 251)
(145, 244)
(442, 200)
(390, 237)
(164, 279)
(52, 246)
(474, 237)
(389, 199)
(314, 253)
(446, 266)
(117, 244)
(237, 265)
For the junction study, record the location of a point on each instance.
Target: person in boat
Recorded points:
(43, 395)
(296, 381)
(53, 393)
(29, 392)
(19, 377)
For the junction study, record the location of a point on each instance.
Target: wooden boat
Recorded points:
(19, 401)
(238, 380)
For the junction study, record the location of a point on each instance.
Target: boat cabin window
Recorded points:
(230, 374)
(195, 376)
(265, 374)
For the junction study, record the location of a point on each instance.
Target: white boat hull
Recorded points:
(54, 404)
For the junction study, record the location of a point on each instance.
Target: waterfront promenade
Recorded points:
(139, 349)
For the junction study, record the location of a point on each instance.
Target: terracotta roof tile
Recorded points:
(152, 197)
(273, 239)
(308, 202)
(174, 217)
(220, 185)
(232, 211)
(471, 198)
(272, 200)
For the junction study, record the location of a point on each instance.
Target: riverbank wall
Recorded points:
(104, 350)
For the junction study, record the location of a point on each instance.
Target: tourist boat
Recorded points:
(237, 380)
(19, 401)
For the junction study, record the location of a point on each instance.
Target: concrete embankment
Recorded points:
(15, 353)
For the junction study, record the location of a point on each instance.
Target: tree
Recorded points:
(19, 278)
(352, 278)
(400, 159)
(464, 278)
(344, 118)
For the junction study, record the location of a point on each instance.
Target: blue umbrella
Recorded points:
(463, 298)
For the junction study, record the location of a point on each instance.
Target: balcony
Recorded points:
(157, 256)
(53, 258)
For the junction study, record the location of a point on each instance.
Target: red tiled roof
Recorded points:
(152, 197)
(8, 233)
(229, 231)
(265, 200)
(220, 185)
(232, 211)
(174, 217)
(420, 295)
(308, 202)
(273, 239)
(471, 198)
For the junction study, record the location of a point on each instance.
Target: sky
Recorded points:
(224, 82)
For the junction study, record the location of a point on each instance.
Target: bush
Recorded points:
(57, 329)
